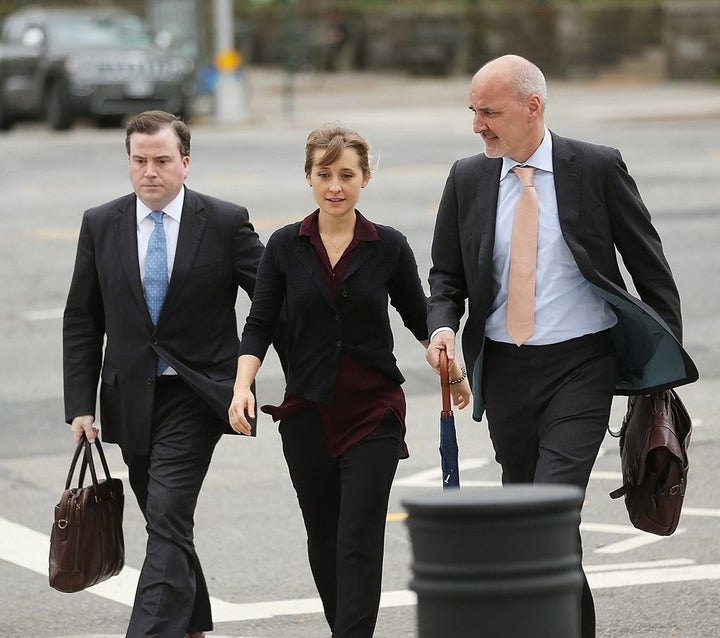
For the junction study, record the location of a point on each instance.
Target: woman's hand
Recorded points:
(243, 401)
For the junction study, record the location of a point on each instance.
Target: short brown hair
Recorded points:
(335, 139)
(151, 122)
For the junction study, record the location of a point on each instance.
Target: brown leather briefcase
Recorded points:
(654, 440)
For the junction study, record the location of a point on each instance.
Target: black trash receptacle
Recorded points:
(498, 562)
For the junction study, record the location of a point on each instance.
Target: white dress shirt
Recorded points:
(171, 223)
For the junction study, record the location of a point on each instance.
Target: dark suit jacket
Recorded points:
(196, 333)
(319, 328)
(600, 211)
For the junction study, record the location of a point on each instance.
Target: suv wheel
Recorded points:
(110, 121)
(57, 107)
(5, 119)
(183, 112)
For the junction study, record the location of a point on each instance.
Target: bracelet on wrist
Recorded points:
(459, 379)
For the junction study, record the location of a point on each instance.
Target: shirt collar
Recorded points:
(173, 209)
(364, 229)
(541, 159)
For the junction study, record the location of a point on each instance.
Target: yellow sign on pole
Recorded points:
(228, 61)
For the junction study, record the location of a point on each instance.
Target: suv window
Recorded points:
(13, 30)
(87, 32)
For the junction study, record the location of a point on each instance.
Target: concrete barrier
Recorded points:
(497, 562)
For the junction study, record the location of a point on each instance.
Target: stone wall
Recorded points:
(565, 40)
(570, 40)
(691, 39)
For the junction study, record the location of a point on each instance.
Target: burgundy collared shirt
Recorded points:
(362, 396)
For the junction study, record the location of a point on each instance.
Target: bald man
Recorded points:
(547, 389)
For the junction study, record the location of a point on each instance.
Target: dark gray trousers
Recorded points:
(172, 597)
(547, 409)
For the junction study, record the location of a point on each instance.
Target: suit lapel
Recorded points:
(480, 228)
(125, 224)
(567, 173)
(192, 226)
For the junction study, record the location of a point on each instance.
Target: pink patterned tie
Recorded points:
(523, 255)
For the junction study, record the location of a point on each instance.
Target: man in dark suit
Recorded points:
(547, 391)
(155, 280)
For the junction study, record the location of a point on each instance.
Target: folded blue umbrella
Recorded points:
(448, 436)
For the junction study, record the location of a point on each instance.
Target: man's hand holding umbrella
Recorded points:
(444, 342)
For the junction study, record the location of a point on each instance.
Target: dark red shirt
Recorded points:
(362, 395)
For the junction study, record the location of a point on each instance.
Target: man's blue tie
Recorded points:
(155, 283)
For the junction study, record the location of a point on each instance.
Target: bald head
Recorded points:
(508, 96)
(518, 74)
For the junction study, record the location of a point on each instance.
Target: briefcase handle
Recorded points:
(85, 446)
(445, 383)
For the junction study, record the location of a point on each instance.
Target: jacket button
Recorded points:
(149, 381)
(338, 344)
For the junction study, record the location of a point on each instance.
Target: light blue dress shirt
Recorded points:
(565, 305)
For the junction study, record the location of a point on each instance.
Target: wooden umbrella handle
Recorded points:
(445, 381)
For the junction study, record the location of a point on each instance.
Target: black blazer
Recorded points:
(600, 211)
(319, 328)
(217, 251)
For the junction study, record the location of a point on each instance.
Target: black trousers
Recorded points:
(548, 409)
(344, 505)
(172, 597)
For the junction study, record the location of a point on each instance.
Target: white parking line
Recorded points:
(635, 577)
(43, 315)
(634, 542)
(637, 538)
(29, 549)
(700, 511)
(433, 476)
(654, 564)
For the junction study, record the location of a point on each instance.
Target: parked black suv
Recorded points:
(96, 62)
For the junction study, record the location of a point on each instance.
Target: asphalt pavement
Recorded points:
(248, 530)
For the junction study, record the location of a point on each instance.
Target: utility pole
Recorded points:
(289, 56)
(229, 90)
